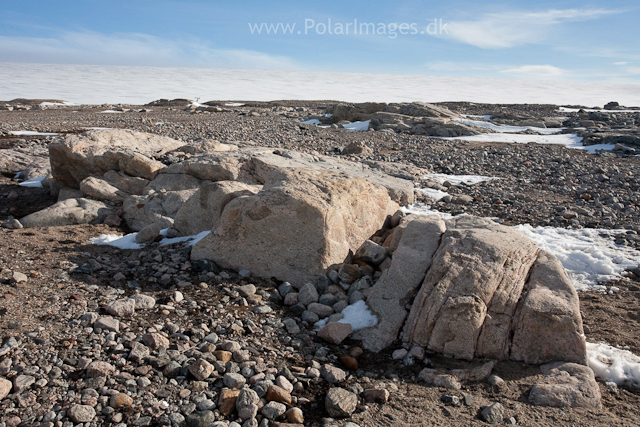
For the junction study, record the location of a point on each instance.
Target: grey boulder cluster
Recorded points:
(416, 118)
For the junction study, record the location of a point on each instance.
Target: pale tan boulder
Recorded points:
(548, 324)
(203, 210)
(477, 260)
(92, 153)
(303, 221)
(68, 212)
(567, 385)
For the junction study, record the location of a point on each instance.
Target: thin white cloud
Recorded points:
(536, 71)
(620, 63)
(510, 29)
(90, 48)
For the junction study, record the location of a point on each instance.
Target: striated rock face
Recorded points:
(400, 282)
(95, 152)
(300, 223)
(485, 291)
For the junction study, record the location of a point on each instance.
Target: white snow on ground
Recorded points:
(357, 315)
(59, 104)
(33, 182)
(192, 239)
(507, 128)
(358, 126)
(111, 112)
(433, 193)
(458, 179)
(315, 122)
(613, 364)
(424, 209)
(121, 242)
(587, 257)
(588, 110)
(31, 133)
(569, 140)
(234, 104)
(95, 128)
(98, 84)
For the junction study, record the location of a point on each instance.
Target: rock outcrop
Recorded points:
(567, 385)
(483, 291)
(76, 157)
(299, 224)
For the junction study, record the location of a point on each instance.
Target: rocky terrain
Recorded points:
(161, 335)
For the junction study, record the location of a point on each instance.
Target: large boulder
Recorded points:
(487, 291)
(68, 212)
(76, 157)
(203, 210)
(548, 324)
(30, 162)
(302, 221)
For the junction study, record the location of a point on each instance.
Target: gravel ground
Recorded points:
(48, 321)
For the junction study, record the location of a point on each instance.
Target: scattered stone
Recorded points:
(340, 403)
(278, 394)
(120, 400)
(335, 332)
(201, 369)
(492, 414)
(122, 307)
(377, 395)
(227, 401)
(81, 413)
(332, 374)
(274, 410)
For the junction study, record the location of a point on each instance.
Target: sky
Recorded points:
(560, 40)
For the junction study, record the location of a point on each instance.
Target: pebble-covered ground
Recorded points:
(71, 356)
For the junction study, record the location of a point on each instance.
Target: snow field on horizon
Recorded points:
(99, 84)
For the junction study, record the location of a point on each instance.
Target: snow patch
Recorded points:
(357, 315)
(31, 133)
(234, 104)
(458, 179)
(357, 126)
(118, 241)
(111, 112)
(506, 128)
(191, 239)
(613, 364)
(587, 257)
(432, 193)
(33, 182)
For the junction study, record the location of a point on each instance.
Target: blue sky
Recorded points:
(559, 40)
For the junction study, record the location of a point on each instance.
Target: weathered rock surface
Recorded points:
(548, 324)
(76, 157)
(300, 223)
(432, 126)
(161, 207)
(68, 212)
(566, 385)
(487, 292)
(101, 189)
(203, 209)
(399, 283)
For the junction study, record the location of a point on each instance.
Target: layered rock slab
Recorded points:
(399, 283)
(92, 153)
